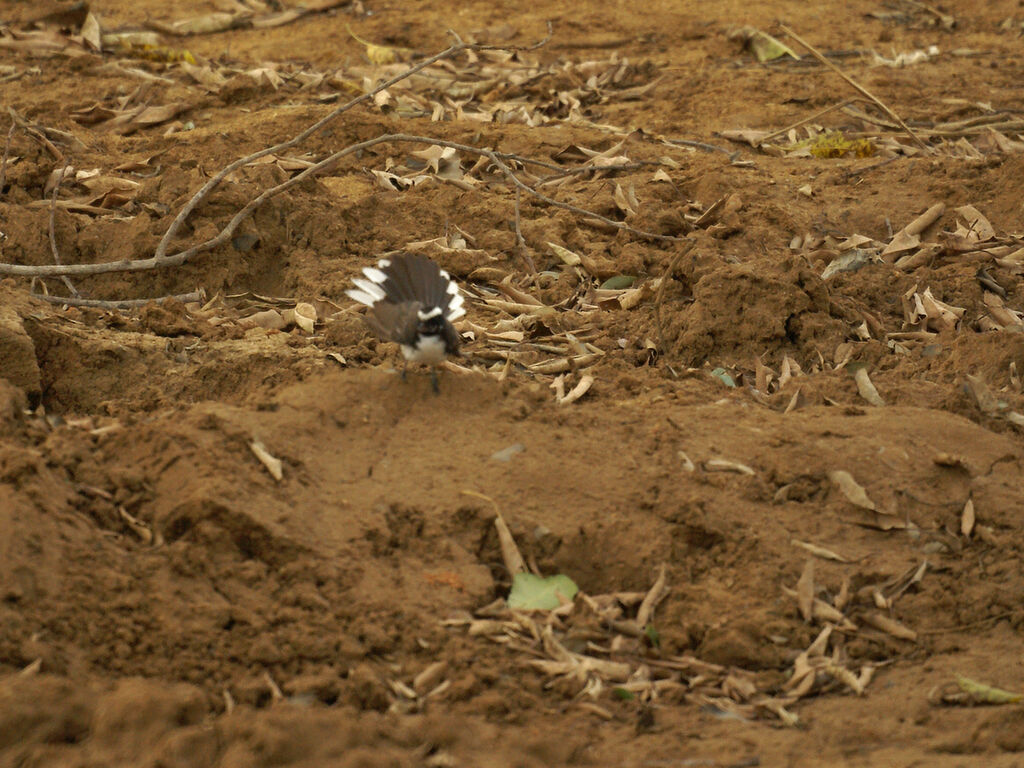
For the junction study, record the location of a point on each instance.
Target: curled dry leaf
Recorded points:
(967, 519)
(303, 315)
(889, 626)
(272, 463)
(625, 200)
(688, 464)
(846, 677)
(568, 257)
(865, 387)
(582, 387)
(978, 228)
(726, 465)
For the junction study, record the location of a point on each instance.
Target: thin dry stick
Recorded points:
(804, 121)
(3, 163)
(566, 172)
(856, 86)
(156, 262)
(700, 145)
(206, 189)
(53, 234)
(520, 241)
(666, 276)
(944, 18)
(184, 298)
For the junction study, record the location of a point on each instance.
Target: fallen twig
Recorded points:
(155, 262)
(184, 298)
(856, 86)
(53, 236)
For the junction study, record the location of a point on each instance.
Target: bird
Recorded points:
(414, 302)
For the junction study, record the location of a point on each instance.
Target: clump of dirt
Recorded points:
(741, 311)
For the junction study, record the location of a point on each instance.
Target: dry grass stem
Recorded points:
(3, 163)
(857, 87)
(813, 118)
(53, 235)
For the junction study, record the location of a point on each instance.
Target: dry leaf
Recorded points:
(688, 464)
(567, 256)
(979, 229)
(805, 591)
(814, 549)
(889, 626)
(90, 32)
(625, 200)
(303, 315)
(901, 241)
(443, 161)
(853, 492)
(865, 386)
(967, 519)
(377, 54)
(585, 383)
(725, 465)
(270, 319)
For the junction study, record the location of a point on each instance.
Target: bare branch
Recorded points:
(184, 298)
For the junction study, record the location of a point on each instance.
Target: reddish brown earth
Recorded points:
(165, 602)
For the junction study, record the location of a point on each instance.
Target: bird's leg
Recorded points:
(433, 380)
(405, 367)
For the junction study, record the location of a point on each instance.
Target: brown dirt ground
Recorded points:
(337, 579)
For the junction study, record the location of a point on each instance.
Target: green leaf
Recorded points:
(622, 694)
(653, 636)
(535, 593)
(722, 376)
(619, 282)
